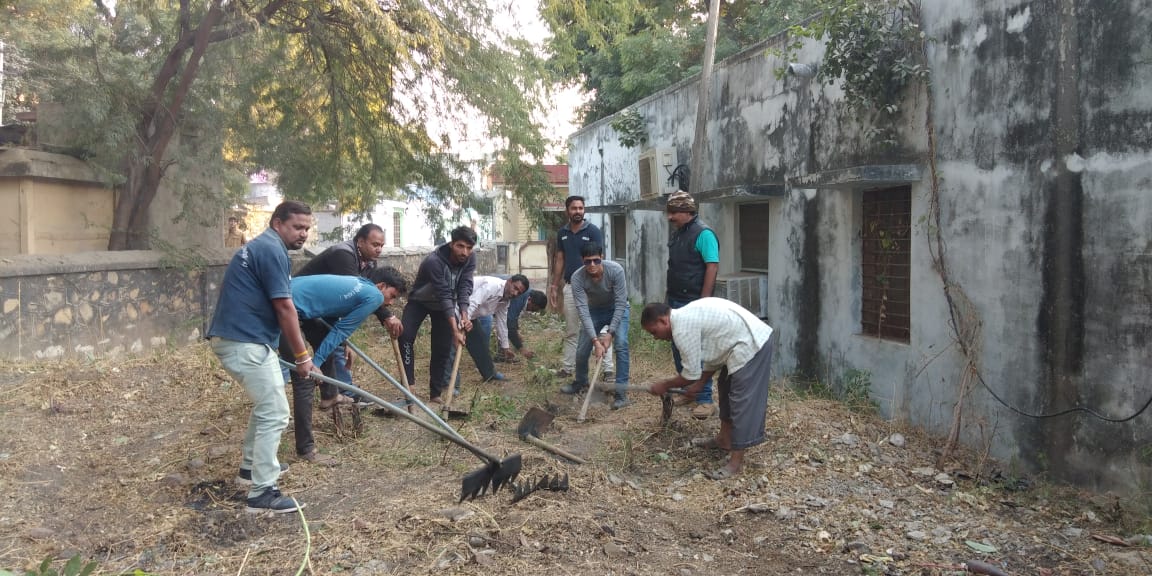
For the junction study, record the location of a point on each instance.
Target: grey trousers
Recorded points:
(744, 397)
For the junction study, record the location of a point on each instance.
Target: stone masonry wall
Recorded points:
(106, 304)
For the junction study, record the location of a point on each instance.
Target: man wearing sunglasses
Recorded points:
(601, 295)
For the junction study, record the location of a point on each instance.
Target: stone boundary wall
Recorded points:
(106, 304)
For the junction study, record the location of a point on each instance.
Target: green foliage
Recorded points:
(621, 51)
(630, 125)
(349, 101)
(872, 48)
(74, 567)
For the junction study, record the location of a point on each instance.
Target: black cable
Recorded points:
(1088, 411)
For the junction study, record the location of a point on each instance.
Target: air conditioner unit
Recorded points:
(656, 165)
(747, 290)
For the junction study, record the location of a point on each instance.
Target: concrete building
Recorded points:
(1043, 125)
(521, 244)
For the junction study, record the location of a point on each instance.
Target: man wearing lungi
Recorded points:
(713, 335)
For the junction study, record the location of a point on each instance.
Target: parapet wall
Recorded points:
(106, 304)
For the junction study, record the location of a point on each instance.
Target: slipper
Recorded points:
(339, 399)
(435, 400)
(706, 442)
(719, 474)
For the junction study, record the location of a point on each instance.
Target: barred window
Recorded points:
(886, 263)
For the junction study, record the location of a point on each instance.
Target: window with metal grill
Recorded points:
(753, 246)
(397, 219)
(618, 230)
(886, 263)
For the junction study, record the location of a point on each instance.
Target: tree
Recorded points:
(346, 100)
(621, 51)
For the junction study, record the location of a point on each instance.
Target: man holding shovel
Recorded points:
(441, 291)
(342, 302)
(601, 295)
(491, 298)
(720, 336)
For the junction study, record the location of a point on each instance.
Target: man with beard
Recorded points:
(441, 291)
(355, 257)
(571, 239)
(601, 295)
(254, 307)
(491, 297)
(693, 260)
(343, 302)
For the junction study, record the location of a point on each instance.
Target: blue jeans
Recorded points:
(602, 317)
(704, 396)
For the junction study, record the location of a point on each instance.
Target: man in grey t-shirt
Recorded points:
(601, 295)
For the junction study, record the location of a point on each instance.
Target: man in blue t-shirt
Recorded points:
(254, 307)
(570, 241)
(343, 302)
(693, 261)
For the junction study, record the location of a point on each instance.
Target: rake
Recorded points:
(496, 472)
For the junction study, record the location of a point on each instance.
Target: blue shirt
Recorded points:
(258, 273)
(570, 243)
(349, 298)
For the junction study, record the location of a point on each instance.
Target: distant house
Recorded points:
(1043, 144)
(521, 243)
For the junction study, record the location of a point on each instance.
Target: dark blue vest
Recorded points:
(685, 264)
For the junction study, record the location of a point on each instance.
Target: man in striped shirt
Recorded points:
(716, 335)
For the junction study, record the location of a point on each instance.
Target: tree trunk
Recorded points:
(144, 166)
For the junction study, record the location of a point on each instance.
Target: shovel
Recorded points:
(666, 405)
(533, 423)
(496, 473)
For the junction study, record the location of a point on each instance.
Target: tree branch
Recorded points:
(103, 9)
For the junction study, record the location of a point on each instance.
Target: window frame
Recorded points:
(885, 271)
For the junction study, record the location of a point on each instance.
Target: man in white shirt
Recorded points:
(716, 335)
(491, 297)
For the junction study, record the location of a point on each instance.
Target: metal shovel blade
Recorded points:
(476, 483)
(534, 422)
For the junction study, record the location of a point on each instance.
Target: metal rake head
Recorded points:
(555, 483)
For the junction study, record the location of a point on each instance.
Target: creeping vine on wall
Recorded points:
(876, 50)
(631, 127)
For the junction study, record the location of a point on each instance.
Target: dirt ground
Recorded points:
(130, 463)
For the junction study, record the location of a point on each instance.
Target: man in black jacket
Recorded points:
(442, 288)
(355, 257)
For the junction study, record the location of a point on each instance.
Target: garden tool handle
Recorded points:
(452, 378)
(552, 448)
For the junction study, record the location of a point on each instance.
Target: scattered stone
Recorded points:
(941, 535)
(615, 480)
(477, 541)
(695, 535)
(857, 547)
(678, 497)
(886, 504)
(815, 501)
(485, 557)
(607, 530)
(685, 572)
(362, 525)
(944, 479)
(195, 464)
(614, 550)
(67, 554)
(218, 452)
(896, 440)
(447, 559)
(917, 535)
(1073, 532)
(372, 568)
(728, 535)
(924, 471)
(706, 557)
(161, 435)
(1099, 564)
(457, 514)
(40, 533)
(1140, 539)
(847, 439)
(632, 485)
(864, 468)
(785, 513)
(174, 479)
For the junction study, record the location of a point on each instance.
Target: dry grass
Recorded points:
(130, 462)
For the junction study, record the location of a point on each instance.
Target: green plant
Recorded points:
(631, 127)
(74, 567)
(857, 391)
(499, 406)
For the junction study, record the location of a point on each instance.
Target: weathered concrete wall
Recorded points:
(111, 303)
(1043, 114)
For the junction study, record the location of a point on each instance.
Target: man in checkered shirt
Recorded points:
(716, 335)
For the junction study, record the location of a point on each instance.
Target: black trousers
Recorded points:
(304, 389)
(414, 315)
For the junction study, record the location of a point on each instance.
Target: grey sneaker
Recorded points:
(621, 401)
(271, 500)
(244, 478)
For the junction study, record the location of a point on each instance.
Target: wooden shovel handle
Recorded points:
(452, 379)
(553, 449)
(591, 388)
